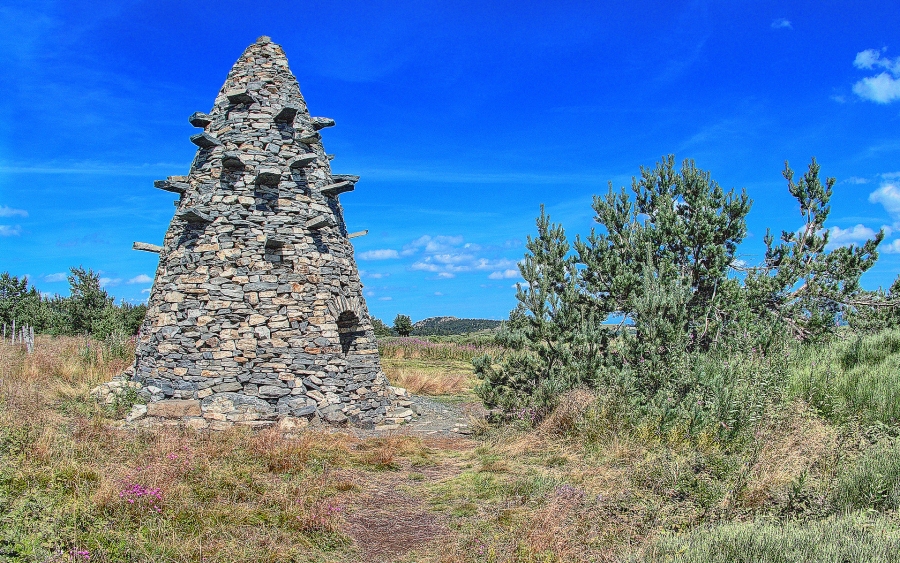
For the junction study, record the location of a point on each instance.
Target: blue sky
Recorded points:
(461, 117)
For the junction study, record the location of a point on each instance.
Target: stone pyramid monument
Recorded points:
(256, 312)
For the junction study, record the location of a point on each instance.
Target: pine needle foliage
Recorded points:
(662, 264)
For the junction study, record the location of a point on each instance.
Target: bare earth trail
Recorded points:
(390, 518)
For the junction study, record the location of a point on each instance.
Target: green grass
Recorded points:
(858, 378)
(854, 538)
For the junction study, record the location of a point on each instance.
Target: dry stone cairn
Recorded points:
(256, 313)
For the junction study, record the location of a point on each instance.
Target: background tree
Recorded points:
(402, 325)
(380, 328)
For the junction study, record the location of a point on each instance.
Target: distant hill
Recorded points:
(439, 326)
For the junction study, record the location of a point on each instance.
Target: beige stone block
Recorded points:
(174, 297)
(179, 371)
(204, 320)
(203, 393)
(292, 423)
(196, 423)
(246, 344)
(256, 320)
(174, 408)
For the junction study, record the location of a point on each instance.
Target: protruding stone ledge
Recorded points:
(193, 215)
(200, 119)
(332, 190)
(318, 222)
(174, 184)
(358, 234)
(238, 96)
(146, 247)
(321, 122)
(286, 114)
(303, 160)
(268, 176)
(308, 138)
(205, 140)
(345, 178)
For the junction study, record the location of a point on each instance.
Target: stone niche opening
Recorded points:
(348, 330)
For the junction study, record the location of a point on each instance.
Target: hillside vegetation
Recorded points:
(445, 326)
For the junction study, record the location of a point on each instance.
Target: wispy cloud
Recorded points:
(10, 230)
(856, 180)
(89, 168)
(883, 88)
(445, 275)
(146, 290)
(888, 195)
(505, 274)
(845, 237)
(385, 298)
(382, 254)
(781, 23)
(142, 278)
(57, 277)
(110, 282)
(10, 212)
(892, 247)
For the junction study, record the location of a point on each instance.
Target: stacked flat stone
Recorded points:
(256, 311)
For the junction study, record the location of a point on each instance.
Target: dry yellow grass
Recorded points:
(428, 382)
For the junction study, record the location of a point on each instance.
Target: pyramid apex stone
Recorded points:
(263, 39)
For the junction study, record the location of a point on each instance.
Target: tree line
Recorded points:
(88, 309)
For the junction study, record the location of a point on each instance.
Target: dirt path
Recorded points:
(390, 517)
(440, 417)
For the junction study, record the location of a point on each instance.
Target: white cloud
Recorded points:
(10, 231)
(445, 275)
(57, 277)
(426, 267)
(143, 278)
(781, 23)
(385, 298)
(888, 195)
(845, 237)
(146, 290)
(438, 293)
(376, 275)
(370, 293)
(10, 212)
(892, 247)
(856, 180)
(505, 274)
(882, 88)
(110, 282)
(384, 254)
